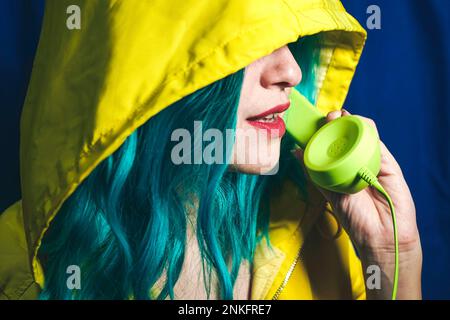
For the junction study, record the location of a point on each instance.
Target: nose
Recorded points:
(281, 71)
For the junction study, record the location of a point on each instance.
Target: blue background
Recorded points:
(402, 83)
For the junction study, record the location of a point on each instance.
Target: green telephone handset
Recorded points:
(341, 156)
(334, 153)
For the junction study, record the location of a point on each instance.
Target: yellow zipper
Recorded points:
(288, 274)
(291, 268)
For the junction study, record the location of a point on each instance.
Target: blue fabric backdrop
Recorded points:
(402, 83)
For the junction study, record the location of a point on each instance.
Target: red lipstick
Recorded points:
(271, 120)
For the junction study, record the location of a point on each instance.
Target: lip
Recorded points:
(278, 109)
(276, 128)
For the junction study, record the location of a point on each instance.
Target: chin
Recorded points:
(266, 164)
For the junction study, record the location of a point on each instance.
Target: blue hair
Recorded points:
(125, 225)
(307, 52)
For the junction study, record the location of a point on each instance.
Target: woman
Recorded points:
(109, 191)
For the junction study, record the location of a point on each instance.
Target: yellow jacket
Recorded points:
(91, 88)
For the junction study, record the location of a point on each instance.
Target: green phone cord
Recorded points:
(372, 180)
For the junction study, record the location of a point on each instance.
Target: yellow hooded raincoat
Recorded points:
(91, 88)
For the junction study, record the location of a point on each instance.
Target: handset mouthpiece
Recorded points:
(302, 112)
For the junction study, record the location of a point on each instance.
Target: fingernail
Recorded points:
(333, 115)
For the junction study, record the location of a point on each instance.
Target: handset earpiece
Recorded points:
(336, 152)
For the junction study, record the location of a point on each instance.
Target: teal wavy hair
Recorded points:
(125, 225)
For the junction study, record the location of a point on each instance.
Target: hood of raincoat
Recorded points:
(92, 87)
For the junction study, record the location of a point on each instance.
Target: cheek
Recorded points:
(243, 112)
(251, 92)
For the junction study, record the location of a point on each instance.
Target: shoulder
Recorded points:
(16, 280)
